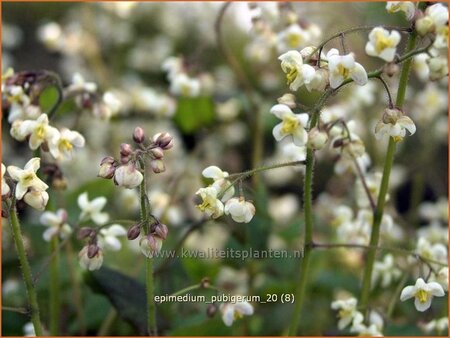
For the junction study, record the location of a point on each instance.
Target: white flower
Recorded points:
(436, 16)
(240, 210)
(220, 181)
(210, 204)
(150, 245)
(386, 271)
(439, 325)
(420, 66)
(51, 35)
(442, 278)
(93, 263)
(319, 81)
(36, 198)
(436, 252)
(374, 327)
(343, 67)
(28, 330)
(80, 85)
(437, 211)
(108, 237)
(62, 146)
(112, 103)
(441, 40)
(92, 209)
(56, 223)
(438, 67)
(5, 186)
(297, 73)
(26, 178)
(347, 311)
(39, 130)
(128, 176)
(382, 44)
(407, 7)
(394, 123)
(173, 66)
(292, 125)
(293, 37)
(423, 293)
(185, 86)
(233, 311)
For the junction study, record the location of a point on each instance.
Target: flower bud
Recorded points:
(85, 232)
(163, 140)
(107, 167)
(157, 166)
(161, 230)
(125, 159)
(288, 100)
(128, 176)
(391, 69)
(150, 245)
(157, 153)
(92, 250)
(90, 263)
(126, 149)
(205, 283)
(134, 232)
(138, 135)
(36, 199)
(211, 310)
(424, 25)
(317, 139)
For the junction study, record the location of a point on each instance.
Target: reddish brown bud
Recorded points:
(161, 230)
(138, 135)
(157, 166)
(107, 167)
(205, 283)
(125, 159)
(93, 250)
(108, 159)
(163, 140)
(126, 149)
(157, 153)
(85, 232)
(134, 232)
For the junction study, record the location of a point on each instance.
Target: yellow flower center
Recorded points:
(422, 295)
(237, 315)
(202, 207)
(185, 90)
(382, 42)
(294, 40)
(40, 132)
(291, 74)
(28, 178)
(343, 71)
(290, 124)
(65, 145)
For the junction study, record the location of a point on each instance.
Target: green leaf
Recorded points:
(194, 113)
(126, 294)
(48, 98)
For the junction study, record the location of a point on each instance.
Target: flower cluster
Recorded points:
(181, 84)
(219, 192)
(125, 172)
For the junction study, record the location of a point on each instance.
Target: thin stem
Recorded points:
(386, 87)
(20, 310)
(308, 212)
(396, 295)
(192, 288)
(107, 323)
(149, 284)
(26, 270)
(378, 214)
(55, 302)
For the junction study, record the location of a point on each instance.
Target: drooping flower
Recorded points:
(26, 178)
(422, 293)
(394, 123)
(297, 73)
(233, 311)
(36, 198)
(292, 125)
(382, 43)
(39, 131)
(221, 183)
(241, 211)
(293, 37)
(150, 245)
(407, 7)
(90, 260)
(92, 209)
(184, 85)
(56, 223)
(63, 145)
(436, 16)
(5, 186)
(343, 67)
(108, 237)
(128, 176)
(210, 205)
(347, 311)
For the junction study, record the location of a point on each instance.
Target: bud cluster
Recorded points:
(149, 243)
(126, 172)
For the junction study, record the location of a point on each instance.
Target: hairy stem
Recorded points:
(149, 283)
(308, 211)
(55, 301)
(26, 270)
(378, 214)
